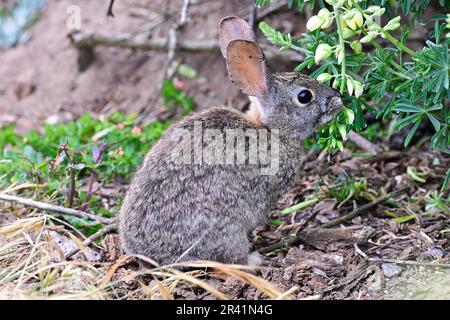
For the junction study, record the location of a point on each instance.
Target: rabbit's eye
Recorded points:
(305, 96)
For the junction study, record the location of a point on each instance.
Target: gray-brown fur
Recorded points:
(204, 211)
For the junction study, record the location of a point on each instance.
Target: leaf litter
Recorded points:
(345, 262)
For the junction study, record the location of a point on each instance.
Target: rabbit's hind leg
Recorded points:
(232, 248)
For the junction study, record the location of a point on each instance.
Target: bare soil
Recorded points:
(40, 78)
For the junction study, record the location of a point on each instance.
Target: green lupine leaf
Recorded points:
(434, 121)
(411, 133)
(404, 219)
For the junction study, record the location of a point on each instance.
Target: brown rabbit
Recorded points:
(206, 183)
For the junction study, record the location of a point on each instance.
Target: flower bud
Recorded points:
(323, 51)
(350, 87)
(340, 54)
(351, 23)
(358, 88)
(349, 115)
(356, 46)
(314, 23)
(324, 77)
(336, 84)
(342, 131)
(353, 19)
(359, 20)
(372, 26)
(348, 33)
(375, 10)
(327, 23)
(393, 24)
(348, 19)
(327, 18)
(323, 13)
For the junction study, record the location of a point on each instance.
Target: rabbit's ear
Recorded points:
(247, 68)
(234, 28)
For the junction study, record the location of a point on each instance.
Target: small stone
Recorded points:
(53, 119)
(391, 270)
(437, 252)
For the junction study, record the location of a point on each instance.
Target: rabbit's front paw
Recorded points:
(255, 259)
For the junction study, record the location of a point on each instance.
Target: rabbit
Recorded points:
(184, 206)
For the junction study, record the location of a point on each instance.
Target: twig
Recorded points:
(252, 16)
(272, 8)
(286, 242)
(363, 143)
(106, 230)
(54, 208)
(64, 148)
(293, 238)
(411, 263)
(88, 39)
(172, 46)
(385, 156)
(363, 209)
(325, 238)
(183, 14)
(91, 190)
(83, 40)
(110, 9)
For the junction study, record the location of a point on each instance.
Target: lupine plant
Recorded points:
(360, 47)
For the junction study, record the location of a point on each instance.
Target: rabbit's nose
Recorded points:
(335, 102)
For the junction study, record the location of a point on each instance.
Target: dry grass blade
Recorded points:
(165, 292)
(27, 273)
(23, 225)
(113, 270)
(187, 277)
(237, 271)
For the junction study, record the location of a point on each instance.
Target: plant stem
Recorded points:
(381, 49)
(398, 44)
(386, 34)
(342, 45)
(300, 206)
(299, 49)
(363, 209)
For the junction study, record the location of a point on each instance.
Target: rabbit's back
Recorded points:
(201, 210)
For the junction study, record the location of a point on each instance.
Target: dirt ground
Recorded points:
(40, 78)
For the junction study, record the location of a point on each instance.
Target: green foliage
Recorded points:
(284, 41)
(261, 3)
(82, 137)
(414, 9)
(374, 132)
(174, 97)
(410, 8)
(420, 92)
(298, 4)
(345, 189)
(389, 81)
(437, 203)
(107, 148)
(61, 163)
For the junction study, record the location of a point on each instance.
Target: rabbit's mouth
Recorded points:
(334, 104)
